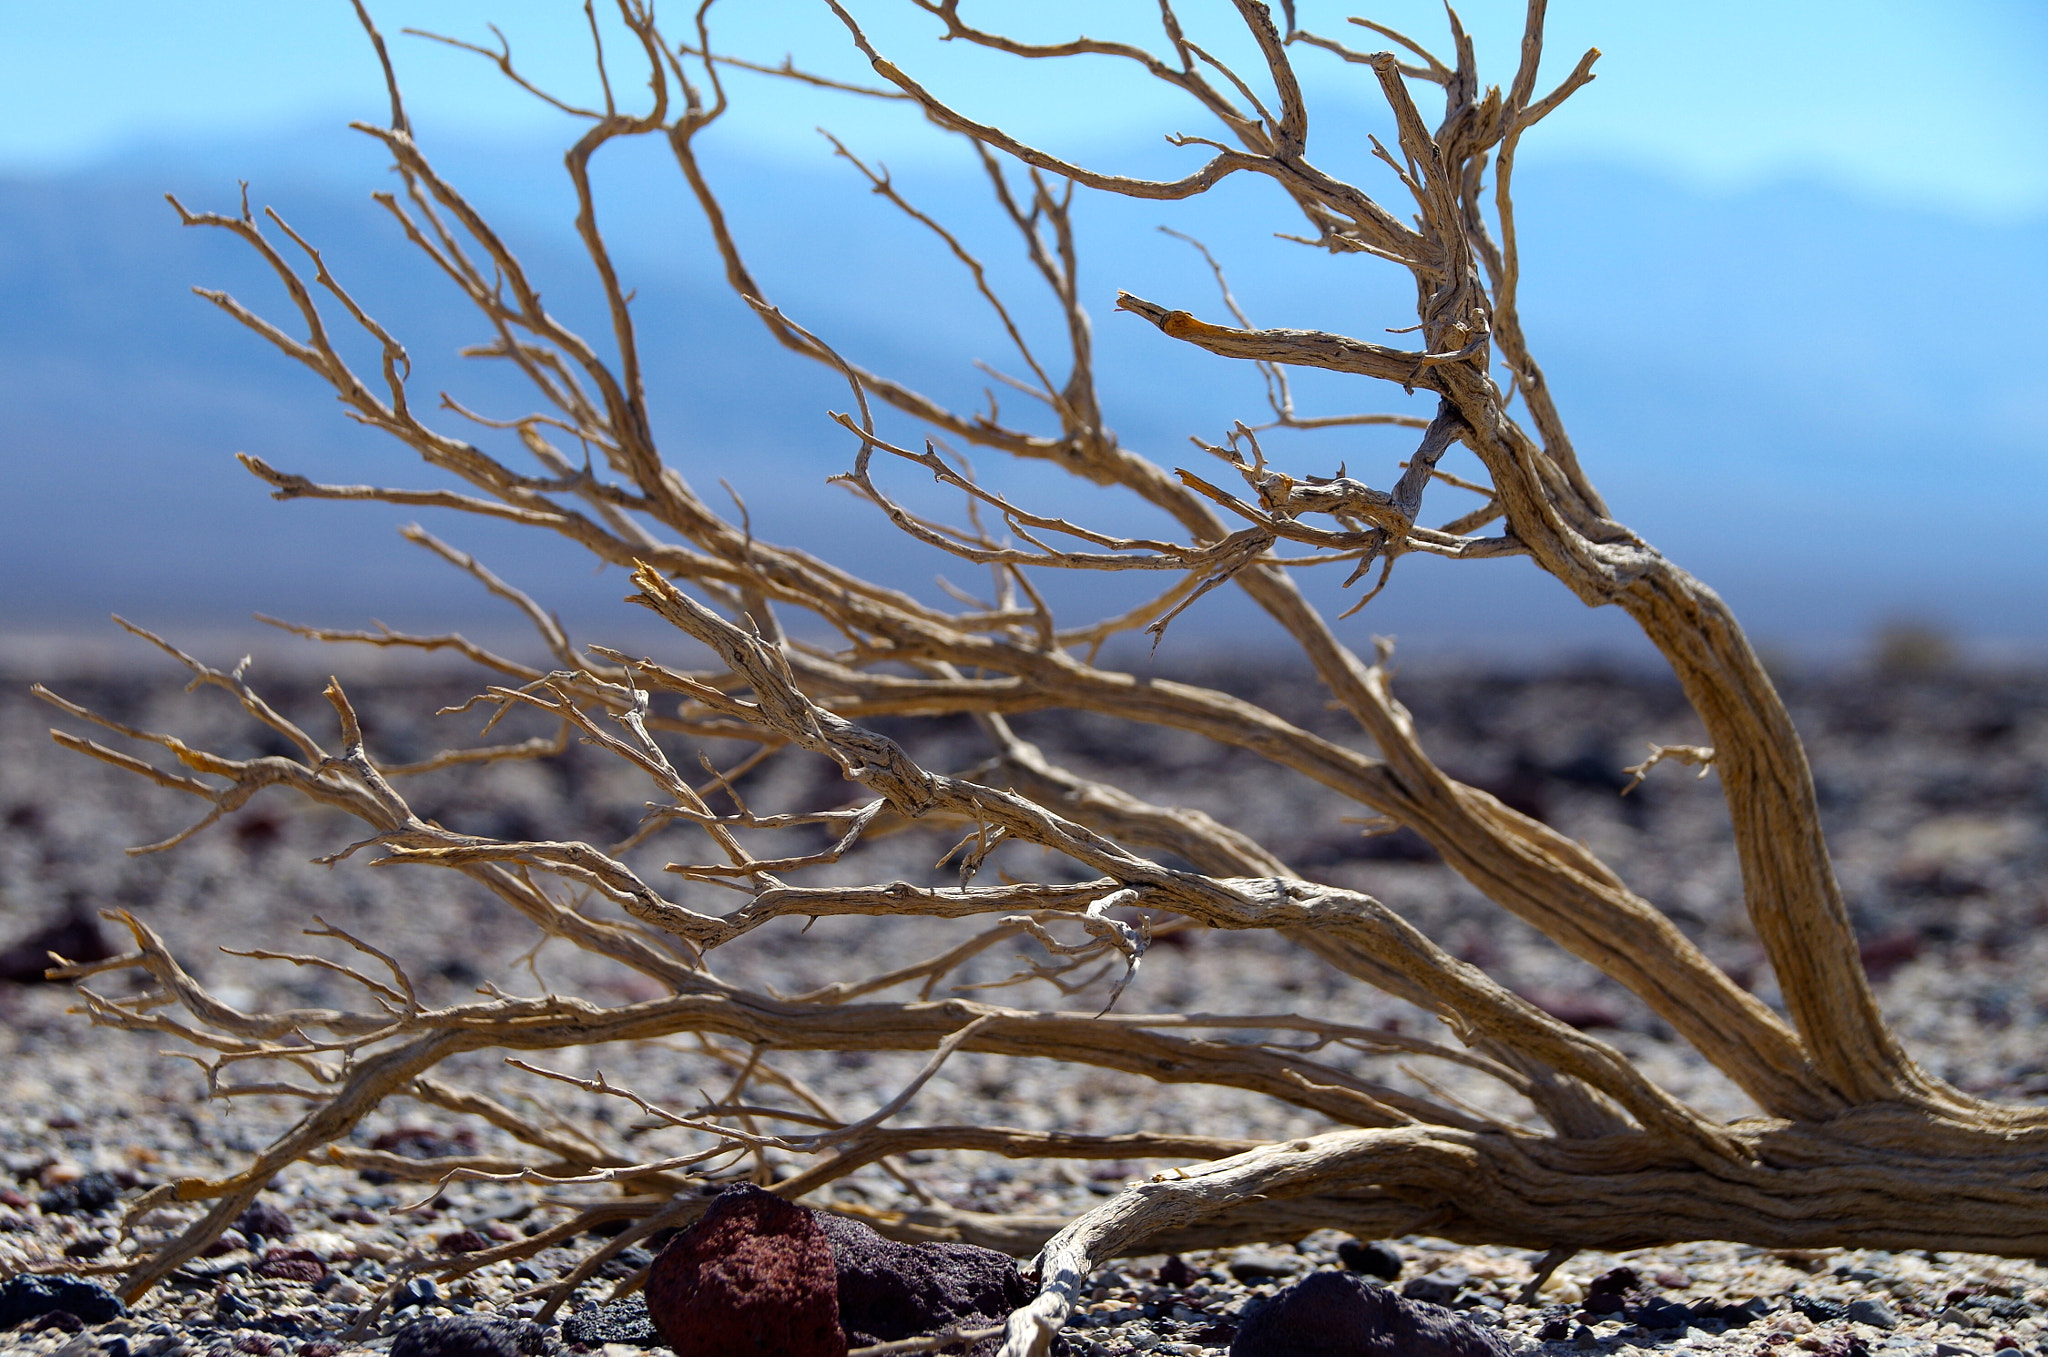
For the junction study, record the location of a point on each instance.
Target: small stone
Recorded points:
(1376, 1259)
(613, 1321)
(424, 1142)
(27, 1296)
(1618, 1281)
(464, 1241)
(1440, 1287)
(292, 1265)
(753, 1277)
(1732, 1316)
(1253, 1263)
(469, 1336)
(89, 1193)
(1953, 1350)
(625, 1263)
(75, 937)
(56, 1319)
(1661, 1315)
(1819, 1310)
(416, 1291)
(1873, 1312)
(1340, 1314)
(264, 1221)
(1176, 1273)
(226, 1242)
(346, 1291)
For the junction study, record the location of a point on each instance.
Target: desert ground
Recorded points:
(1932, 774)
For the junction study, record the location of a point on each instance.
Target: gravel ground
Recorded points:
(1934, 783)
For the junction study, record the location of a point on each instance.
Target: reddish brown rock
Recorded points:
(753, 1277)
(464, 1241)
(264, 1221)
(292, 1265)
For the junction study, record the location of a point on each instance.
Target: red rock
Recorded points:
(292, 1265)
(465, 1241)
(264, 1221)
(754, 1277)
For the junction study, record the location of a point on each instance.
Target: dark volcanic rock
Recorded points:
(56, 1319)
(1440, 1287)
(264, 1221)
(752, 1278)
(625, 1263)
(1818, 1308)
(415, 1291)
(77, 937)
(469, 1336)
(890, 1291)
(1659, 1314)
(612, 1321)
(1374, 1260)
(1340, 1314)
(93, 1192)
(27, 1297)
(1608, 1293)
(1732, 1316)
(425, 1142)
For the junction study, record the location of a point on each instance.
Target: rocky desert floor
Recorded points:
(1933, 781)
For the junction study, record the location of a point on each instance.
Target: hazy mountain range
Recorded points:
(1828, 408)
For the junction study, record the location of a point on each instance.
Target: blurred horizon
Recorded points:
(1780, 367)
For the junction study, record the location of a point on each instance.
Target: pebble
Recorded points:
(1376, 1259)
(619, 1321)
(416, 1291)
(1255, 1263)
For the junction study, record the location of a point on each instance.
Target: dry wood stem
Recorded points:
(1853, 1144)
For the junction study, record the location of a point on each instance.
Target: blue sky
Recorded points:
(1730, 237)
(1941, 103)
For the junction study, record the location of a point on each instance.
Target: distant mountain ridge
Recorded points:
(1807, 400)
